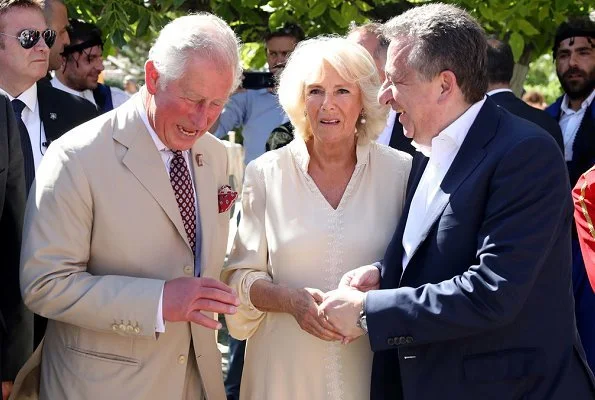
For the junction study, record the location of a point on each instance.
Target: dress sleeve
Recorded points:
(248, 261)
(583, 195)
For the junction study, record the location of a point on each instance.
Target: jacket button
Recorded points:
(130, 328)
(181, 359)
(189, 270)
(402, 340)
(409, 339)
(390, 341)
(122, 327)
(114, 327)
(137, 330)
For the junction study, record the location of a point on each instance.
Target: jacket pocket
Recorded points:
(113, 358)
(505, 365)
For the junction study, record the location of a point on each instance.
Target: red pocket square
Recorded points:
(226, 198)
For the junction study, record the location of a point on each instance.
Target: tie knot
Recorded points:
(178, 153)
(18, 106)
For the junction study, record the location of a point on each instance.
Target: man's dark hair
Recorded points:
(48, 8)
(83, 35)
(444, 37)
(289, 29)
(372, 28)
(574, 27)
(500, 61)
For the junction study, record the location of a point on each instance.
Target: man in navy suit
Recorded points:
(474, 297)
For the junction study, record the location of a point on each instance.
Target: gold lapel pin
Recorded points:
(199, 160)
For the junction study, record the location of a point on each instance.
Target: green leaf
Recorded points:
(276, 19)
(318, 9)
(527, 28)
(143, 24)
(178, 3)
(349, 12)
(517, 43)
(544, 13)
(362, 5)
(338, 18)
(486, 12)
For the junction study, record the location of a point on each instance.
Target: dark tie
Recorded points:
(182, 185)
(18, 106)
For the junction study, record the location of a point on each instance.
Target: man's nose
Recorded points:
(385, 95)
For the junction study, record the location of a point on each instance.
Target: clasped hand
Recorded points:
(333, 316)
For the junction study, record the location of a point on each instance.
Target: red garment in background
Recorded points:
(583, 195)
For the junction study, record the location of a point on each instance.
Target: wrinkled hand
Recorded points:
(6, 389)
(185, 298)
(342, 307)
(303, 304)
(363, 278)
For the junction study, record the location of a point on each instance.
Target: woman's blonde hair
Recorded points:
(352, 62)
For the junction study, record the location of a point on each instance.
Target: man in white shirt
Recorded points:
(370, 37)
(473, 297)
(574, 52)
(124, 243)
(83, 62)
(44, 113)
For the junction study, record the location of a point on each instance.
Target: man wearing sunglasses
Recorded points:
(43, 113)
(83, 62)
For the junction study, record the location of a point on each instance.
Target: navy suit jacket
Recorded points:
(484, 309)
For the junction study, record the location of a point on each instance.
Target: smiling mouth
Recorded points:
(329, 121)
(185, 132)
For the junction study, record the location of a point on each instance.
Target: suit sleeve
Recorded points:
(527, 210)
(18, 321)
(249, 256)
(57, 236)
(584, 212)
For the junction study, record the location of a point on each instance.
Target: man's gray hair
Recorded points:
(372, 28)
(200, 34)
(444, 37)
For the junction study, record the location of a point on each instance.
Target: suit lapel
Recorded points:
(206, 190)
(469, 156)
(145, 163)
(48, 112)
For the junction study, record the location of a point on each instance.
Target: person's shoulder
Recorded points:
(74, 104)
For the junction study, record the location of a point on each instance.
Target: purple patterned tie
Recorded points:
(182, 185)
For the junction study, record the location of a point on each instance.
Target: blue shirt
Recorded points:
(258, 112)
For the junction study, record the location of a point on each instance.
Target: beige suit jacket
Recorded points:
(102, 234)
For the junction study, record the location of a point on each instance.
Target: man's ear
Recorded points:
(151, 77)
(448, 84)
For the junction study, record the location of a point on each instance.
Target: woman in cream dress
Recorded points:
(324, 204)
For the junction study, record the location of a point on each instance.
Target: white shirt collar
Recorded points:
(456, 132)
(140, 108)
(85, 94)
(29, 97)
(496, 91)
(586, 103)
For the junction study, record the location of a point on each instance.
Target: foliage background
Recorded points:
(528, 25)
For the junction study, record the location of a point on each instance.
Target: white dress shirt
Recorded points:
(166, 156)
(570, 121)
(442, 153)
(496, 91)
(32, 122)
(386, 134)
(119, 96)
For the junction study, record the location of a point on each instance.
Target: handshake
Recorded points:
(333, 316)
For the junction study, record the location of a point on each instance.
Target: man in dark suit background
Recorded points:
(16, 323)
(475, 297)
(500, 69)
(43, 113)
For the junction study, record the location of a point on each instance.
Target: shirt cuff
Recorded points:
(159, 322)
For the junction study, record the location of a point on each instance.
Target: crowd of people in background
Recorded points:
(409, 228)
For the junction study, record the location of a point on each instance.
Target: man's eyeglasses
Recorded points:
(29, 37)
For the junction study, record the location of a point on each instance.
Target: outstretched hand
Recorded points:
(363, 278)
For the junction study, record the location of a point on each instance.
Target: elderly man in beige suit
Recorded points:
(125, 236)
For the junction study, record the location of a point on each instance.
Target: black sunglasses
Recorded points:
(29, 37)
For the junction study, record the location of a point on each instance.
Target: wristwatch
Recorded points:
(362, 321)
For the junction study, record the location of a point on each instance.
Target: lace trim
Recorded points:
(249, 281)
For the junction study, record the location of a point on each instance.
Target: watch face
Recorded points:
(363, 323)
